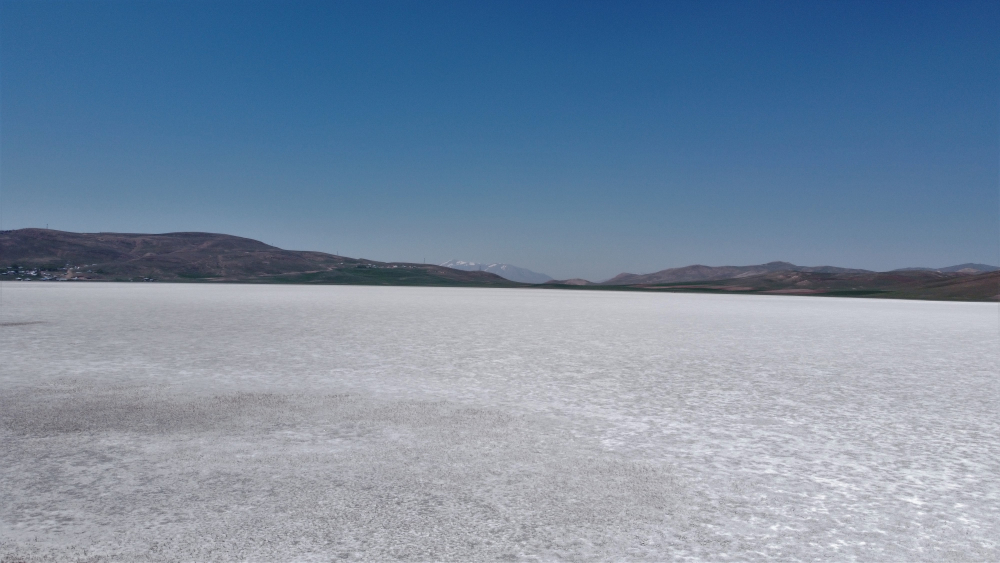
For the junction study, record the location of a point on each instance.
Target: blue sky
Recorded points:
(573, 138)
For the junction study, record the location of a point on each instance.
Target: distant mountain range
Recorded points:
(708, 273)
(970, 282)
(909, 284)
(43, 254)
(206, 257)
(506, 271)
(969, 268)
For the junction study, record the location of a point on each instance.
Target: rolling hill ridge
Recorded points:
(209, 257)
(703, 273)
(44, 254)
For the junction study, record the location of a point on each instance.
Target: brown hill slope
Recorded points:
(706, 273)
(913, 284)
(208, 257)
(217, 257)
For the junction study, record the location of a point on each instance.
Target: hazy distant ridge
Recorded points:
(709, 273)
(506, 271)
(969, 268)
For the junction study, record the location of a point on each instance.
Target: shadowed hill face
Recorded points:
(210, 257)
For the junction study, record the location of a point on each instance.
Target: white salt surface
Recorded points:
(265, 423)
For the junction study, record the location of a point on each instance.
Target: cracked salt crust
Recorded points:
(260, 423)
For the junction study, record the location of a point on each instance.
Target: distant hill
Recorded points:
(208, 257)
(969, 268)
(966, 282)
(39, 254)
(506, 271)
(708, 273)
(911, 284)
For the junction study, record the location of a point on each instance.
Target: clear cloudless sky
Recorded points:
(573, 138)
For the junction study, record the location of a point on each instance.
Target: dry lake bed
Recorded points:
(166, 422)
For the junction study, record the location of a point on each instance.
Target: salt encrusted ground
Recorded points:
(199, 422)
